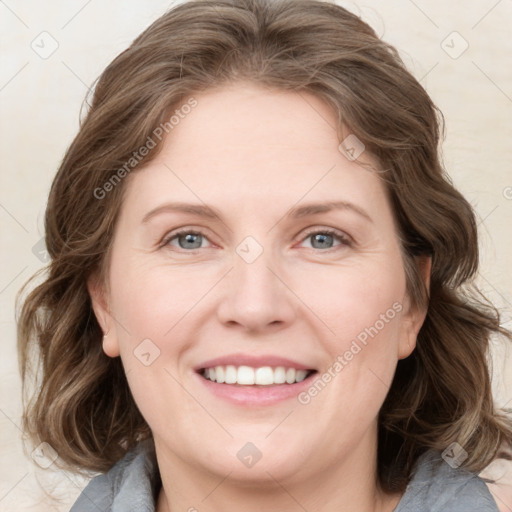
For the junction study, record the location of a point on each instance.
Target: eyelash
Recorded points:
(344, 239)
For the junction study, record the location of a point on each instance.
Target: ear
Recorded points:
(101, 308)
(413, 316)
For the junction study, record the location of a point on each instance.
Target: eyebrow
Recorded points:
(314, 208)
(194, 209)
(295, 213)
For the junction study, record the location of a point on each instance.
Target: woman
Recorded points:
(258, 295)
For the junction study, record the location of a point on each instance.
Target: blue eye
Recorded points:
(320, 239)
(324, 239)
(186, 240)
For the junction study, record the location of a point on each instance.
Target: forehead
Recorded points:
(247, 145)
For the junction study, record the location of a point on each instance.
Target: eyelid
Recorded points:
(341, 235)
(344, 238)
(171, 235)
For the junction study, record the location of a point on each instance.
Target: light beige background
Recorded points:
(40, 104)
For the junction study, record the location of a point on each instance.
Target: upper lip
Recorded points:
(252, 361)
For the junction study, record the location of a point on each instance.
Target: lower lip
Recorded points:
(256, 395)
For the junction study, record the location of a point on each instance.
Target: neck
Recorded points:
(349, 486)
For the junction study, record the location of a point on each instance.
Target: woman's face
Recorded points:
(288, 257)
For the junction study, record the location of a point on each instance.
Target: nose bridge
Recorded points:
(255, 297)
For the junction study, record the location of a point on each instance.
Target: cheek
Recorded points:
(152, 305)
(362, 307)
(150, 302)
(353, 300)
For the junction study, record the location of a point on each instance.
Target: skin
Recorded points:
(253, 154)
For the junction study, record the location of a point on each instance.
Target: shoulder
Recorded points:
(131, 484)
(438, 487)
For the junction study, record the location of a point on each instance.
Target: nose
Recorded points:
(255, 297)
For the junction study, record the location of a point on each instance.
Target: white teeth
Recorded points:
(245, 375)
(280, 375)
(264, 376)
(248, 376)
(219, 374)
(300, 375)
(230, 377)
(290, 375)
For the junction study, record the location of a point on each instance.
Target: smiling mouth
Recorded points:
(249, 376)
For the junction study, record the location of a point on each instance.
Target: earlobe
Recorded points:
(412, 323)
(102, 313)
(414, 316)
(110, 345)
(407, 346)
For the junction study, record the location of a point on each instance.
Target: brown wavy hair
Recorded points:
(77, 399)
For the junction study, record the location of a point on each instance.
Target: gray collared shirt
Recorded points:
(132, 485)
